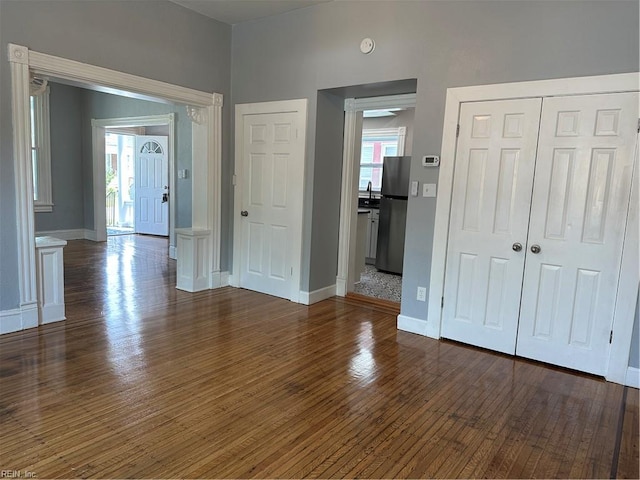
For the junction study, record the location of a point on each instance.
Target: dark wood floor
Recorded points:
(143, 380)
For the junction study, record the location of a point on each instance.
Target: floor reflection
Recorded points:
(363, 365)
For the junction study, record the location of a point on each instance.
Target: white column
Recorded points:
(207, 183)
(19, 62)
(193, 259)
(50, 279)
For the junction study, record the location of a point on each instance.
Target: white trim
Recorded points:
(412, 325)
(73, 234)
(23, 172)
(628, 283)
(112, 81)
(173, 252)
(627, 82)
(99, 128)
(19, 319)
(23, 62)
(632, 378)
(44, 203)
(349, 201)
(309, 298)
(407, 100)
(90, 235)
(299, 107)
(353, 108)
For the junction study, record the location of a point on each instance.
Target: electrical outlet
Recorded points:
(422, 294)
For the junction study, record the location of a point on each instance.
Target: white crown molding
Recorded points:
(107, 79)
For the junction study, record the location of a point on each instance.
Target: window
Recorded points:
(41, 152)
(377, 144)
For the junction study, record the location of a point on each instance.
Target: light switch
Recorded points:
(414, 188)
(429, 190)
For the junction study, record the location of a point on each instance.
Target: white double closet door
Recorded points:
(539, 206)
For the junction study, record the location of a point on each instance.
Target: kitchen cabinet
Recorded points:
(372, 235)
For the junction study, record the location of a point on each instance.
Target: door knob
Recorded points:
(244, 213)
(535, 249)
(516, 247)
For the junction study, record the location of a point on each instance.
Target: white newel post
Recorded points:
(50, 279)
(193, 259)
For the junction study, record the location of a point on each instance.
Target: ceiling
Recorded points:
(238, 11)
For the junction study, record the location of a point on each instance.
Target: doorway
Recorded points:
(204, 108)
(141, 206)
(386, 132)
(120, 183)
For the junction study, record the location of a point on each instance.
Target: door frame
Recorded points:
(629, 275)
(298, 107)
(204, 109)
(98, 128)
(353, 112)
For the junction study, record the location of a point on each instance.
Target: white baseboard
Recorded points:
(19, 318)
(633, 377)
(309, 298)
(219, 279)
(91, 235)
(412, 325)
(75, 234)
(173, 252)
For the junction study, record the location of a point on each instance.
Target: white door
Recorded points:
(151, 184)
(491, 197)
(270, 214)
(579, 208)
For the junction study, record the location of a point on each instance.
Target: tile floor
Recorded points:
(373, 283)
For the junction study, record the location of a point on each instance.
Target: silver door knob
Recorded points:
(244, 213)
(516, 247)
(535, 249)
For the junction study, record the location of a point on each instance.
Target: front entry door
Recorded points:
(151, 184)
(270, 214)
(490, 205)
(579, 210)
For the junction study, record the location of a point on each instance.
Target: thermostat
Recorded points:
(431, 160)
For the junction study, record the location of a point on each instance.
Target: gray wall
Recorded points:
(442, 44)
(65, 107)
(153, 39)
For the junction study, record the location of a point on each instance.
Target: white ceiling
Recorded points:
(238, 11)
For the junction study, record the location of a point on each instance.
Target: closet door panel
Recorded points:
(490, 214)
(578, 214)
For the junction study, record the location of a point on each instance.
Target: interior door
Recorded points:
(271, 211)
(579, 208)
(151, 184)
(491, 198)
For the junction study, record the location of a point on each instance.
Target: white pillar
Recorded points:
(50, 279)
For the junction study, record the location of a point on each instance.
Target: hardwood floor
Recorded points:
(143, 380)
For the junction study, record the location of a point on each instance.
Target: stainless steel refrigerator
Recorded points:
(393, 214)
